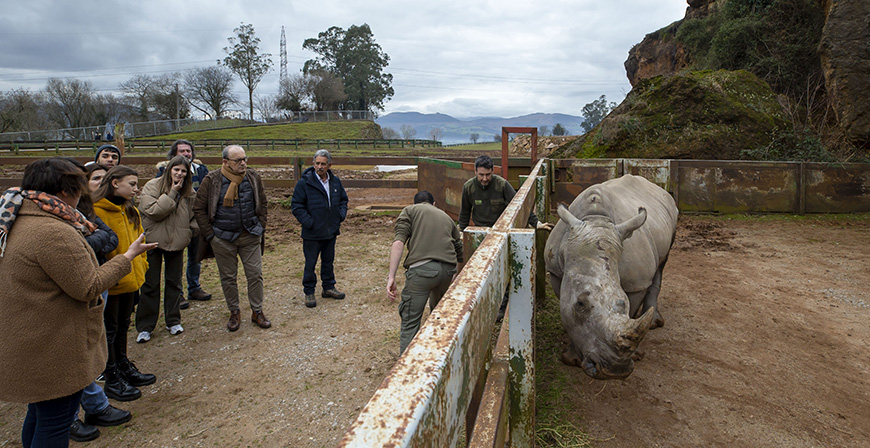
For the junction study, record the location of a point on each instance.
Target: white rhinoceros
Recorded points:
(605, 259)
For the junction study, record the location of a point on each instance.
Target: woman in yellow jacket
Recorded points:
(113, 203)
(166, 206)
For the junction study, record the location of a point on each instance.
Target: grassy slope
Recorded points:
(349, 130)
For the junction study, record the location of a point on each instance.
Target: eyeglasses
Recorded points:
(239, 160)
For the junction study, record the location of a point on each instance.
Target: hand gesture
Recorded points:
(138, 247)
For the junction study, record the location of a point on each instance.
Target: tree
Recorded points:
(22, 110)
(209, 90)
(267, 107)
(294, 93)
(354, 57)
(408, 131)
(167, 98)
(435, 134)
(496, 138)
(389, 134)
(474, 137)
(243, 60)
(558, 129)
(543, 131)
(327, 90)
(137, 93)
(594, 112)
(70, 102)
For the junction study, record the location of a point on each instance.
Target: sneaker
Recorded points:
(175, 329)
(333, 293)
(144, 336)
(310, 301)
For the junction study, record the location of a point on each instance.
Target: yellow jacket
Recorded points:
(115, 216)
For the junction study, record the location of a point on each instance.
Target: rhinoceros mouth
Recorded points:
(594, 369)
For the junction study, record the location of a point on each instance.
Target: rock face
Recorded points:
(697, 115)
(845, 56)
(521, 145)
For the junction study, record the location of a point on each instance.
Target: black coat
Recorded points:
(321, 220)
(103, 240)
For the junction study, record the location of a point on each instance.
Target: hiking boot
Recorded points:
(80, 432)
(200, 295)
(117, 388)
(235, 320)
(131, 374)
(333, 293)
(259, 318)
(310, 302)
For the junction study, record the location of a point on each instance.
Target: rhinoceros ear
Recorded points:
(566, 216)
(625, 229)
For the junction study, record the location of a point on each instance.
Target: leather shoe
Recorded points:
(259, 318)
(111, 416)
(310, 301)
(130, 373)
(200, 295)
(333, 293)
(183, 303)
(117, 388)
(80, 432)
(235, 320)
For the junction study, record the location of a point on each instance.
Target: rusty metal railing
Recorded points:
(424, 400)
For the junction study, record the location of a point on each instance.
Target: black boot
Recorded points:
(130, 373)
(80, 432)
(117, 388)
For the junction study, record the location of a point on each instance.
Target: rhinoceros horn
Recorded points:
(625, 229)
(635, 329)
(568, 217)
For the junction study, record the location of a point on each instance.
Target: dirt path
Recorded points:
(765, 343)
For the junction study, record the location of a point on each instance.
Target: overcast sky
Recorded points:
(463, 58)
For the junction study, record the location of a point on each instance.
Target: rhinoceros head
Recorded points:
(594, 307)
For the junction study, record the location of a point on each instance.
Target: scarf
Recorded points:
(10, 204)
(233, 189)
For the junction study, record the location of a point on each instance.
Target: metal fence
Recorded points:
(160, 127)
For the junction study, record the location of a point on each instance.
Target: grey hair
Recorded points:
(226, 152)
(323, 153)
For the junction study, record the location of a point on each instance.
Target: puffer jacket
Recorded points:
(167, 217)
(52, 339)
(208, 199)
(116, 217)
(197, 168)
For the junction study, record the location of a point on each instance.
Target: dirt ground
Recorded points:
(765, 344)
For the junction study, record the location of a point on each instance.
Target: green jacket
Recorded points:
(485, 205)
(429, 233)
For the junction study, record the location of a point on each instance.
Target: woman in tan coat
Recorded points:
(52, 340)
(166, 206)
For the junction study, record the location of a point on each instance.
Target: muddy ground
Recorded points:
(765, 344)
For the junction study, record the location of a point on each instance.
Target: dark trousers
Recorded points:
(326, 250)
(116, 316)
(149, 300)
(47, 422)
(193, 268)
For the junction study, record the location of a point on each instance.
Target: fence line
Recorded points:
(99, 133)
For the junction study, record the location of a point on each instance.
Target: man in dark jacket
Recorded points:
(230, 209)
(320, 204)
(198, 171)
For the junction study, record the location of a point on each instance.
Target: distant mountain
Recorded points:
(459, 130)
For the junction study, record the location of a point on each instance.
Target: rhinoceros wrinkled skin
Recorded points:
(605, 259)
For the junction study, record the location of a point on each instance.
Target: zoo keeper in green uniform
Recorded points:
(434, 248)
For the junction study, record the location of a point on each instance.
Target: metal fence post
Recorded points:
(521, 317)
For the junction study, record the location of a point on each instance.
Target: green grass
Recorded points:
(348, 130)
(555, 418)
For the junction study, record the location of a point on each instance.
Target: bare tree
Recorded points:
(167, 97)
(408, 131)
(436, 134)
(209, 90)
(108, 109)
(327, 90)
(389, 134)
(267, 107)
(474, 137)
(543, 131)
(496, 138)
(71, 102)
(137, 93)
(294, 93)
(243, 60)
(22, 110)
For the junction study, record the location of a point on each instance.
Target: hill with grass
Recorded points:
(329, 130)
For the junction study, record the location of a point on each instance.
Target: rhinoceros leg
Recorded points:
(652, 297)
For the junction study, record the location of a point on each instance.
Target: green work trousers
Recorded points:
(428, 281)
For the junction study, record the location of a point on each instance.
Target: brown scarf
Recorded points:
(233, 189)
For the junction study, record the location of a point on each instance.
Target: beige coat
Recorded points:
(167, 217)
(52, 339)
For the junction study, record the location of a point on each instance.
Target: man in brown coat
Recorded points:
(230, 209)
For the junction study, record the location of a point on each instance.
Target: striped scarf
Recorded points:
(10, 204)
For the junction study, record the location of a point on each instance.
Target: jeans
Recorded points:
(193, 268)
(48, 422)
(326, 250)
(93, 399)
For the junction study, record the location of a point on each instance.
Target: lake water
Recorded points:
(388, 168)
